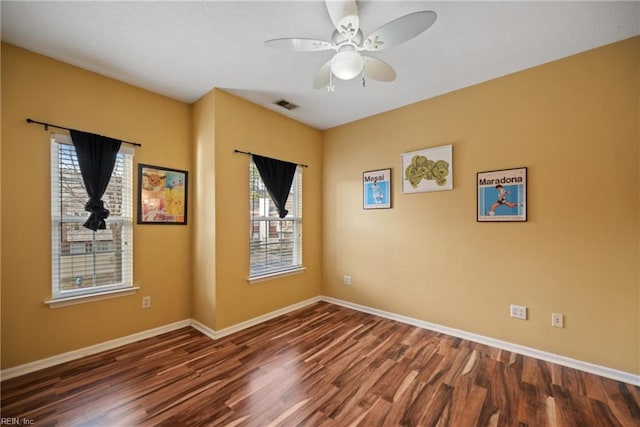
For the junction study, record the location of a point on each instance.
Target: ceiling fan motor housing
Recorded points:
(338, 38)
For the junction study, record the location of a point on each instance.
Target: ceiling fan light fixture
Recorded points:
(347, 64)
(348, 41)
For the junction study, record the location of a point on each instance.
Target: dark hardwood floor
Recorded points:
(323, 365)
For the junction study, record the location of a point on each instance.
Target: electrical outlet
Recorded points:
(518, 312)
(347, 280)
(557, 320)
(146, 302)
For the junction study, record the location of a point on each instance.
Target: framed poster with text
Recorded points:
(376, 189)
(502, 195)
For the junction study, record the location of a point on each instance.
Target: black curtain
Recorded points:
(97, 157)
(277, 176)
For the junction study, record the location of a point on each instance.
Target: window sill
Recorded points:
(277, 275)
(81, 299)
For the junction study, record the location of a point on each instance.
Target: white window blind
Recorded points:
(84, 261)
(275, 243)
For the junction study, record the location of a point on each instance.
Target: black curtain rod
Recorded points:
(251, 154)
(48, 125)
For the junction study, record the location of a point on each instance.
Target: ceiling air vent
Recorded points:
(286, 104)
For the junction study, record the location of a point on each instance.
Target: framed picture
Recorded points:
(430, 169)
(162, 195)
(376, 189)
(502, 195)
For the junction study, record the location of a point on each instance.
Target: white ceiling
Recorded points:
(184, 49)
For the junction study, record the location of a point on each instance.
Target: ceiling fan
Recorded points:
(348, 41)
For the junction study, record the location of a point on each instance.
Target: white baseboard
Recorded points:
(603, 371)
(204, 329)
(27, 368)
(257, 320)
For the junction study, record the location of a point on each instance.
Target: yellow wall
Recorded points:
(574, 124)
(182, 280)
(47, 90)
(204, 212)
(248, 127)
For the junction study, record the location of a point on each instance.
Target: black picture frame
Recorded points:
(502, 195)
(376, 189)
(162, 195)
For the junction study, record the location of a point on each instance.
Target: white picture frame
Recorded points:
(429, 169)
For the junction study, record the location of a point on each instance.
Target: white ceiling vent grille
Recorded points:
(286, 104)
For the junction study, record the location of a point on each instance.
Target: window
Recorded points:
(275, 243)
(87, 262)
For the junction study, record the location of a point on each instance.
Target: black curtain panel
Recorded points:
(96, 157)
(277, 176)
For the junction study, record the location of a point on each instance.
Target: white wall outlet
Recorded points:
(347, 280)
(146, 302)
(557, 320)
(518, 311)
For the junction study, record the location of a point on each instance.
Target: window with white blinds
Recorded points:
(86, 261)
(275, 243)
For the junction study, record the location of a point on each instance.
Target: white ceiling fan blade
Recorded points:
(323, 76)
(344, 15)
(299, 44)
(399, 30)
(377, 69)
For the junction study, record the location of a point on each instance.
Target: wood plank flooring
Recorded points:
(323, 365)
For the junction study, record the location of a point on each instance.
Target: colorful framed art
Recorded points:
(162, 195)
(502, 195)
(376, 189)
